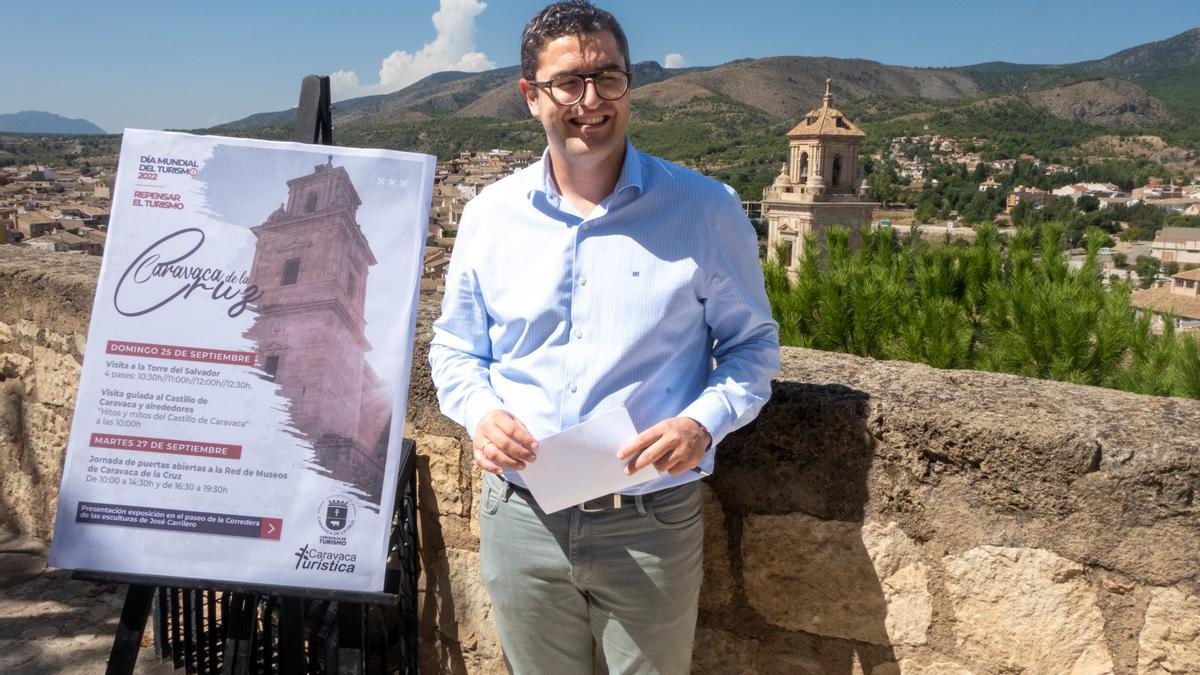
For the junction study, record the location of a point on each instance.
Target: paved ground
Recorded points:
(50, 623)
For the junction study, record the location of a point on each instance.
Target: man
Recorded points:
(599, 277)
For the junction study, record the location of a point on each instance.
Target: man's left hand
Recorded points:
(673, 445)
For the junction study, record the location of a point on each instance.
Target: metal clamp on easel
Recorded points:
(314, 114)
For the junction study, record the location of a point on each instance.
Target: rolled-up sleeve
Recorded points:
(738, 315)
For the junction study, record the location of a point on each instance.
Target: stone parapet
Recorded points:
(878, 517)
(45, 302)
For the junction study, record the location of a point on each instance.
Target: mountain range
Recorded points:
(1149, 86)
(38, 122)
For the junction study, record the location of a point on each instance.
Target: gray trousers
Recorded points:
(564, 586)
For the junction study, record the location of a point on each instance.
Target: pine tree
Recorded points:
(1020, 308)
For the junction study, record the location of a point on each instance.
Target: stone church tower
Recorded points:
(311, 262)
(820, 185)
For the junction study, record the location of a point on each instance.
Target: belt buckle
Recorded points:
(583, 506)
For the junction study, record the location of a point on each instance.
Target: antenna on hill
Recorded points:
(314, 114)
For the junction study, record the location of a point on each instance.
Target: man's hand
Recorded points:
(502, 442)
(673, 445)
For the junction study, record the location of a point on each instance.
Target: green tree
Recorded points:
(1146, 268)
(883, 189)
(1012, 305)
(926, 211)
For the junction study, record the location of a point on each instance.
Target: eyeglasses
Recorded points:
(569, 89)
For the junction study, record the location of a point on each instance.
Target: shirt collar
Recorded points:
(631, 174)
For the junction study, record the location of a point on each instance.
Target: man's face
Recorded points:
(593, 129)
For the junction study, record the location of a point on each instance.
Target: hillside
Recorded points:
(1145, 60)
(1105, 103)
(729, 120)
(787, 86)
(39, 122)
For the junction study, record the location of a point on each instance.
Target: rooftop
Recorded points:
(826, 121)
(1189, 274)
(1161, 300)
(1177, 234)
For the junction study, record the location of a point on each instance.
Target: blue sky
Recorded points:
(189, 64)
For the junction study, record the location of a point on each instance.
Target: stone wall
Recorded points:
(878, 518)
(45, 302)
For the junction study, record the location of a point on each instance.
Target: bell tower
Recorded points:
(820, 184)
(311, 262)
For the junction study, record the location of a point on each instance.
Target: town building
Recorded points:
(1004, 165)
(1097, 190)
(65, 241)
(1118, 200)
(1155, 189)
(1177, 244)
(1019, 194)
(819, 186)
(1177, 301)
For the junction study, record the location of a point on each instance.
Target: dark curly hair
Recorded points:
(573, 17)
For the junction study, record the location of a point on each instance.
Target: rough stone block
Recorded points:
(717, 591)
(838, 579)
(451, 605)
(1170, 638)
(28, 330)
(1004, 597)
(14, 366)
(931, 664)
(722, 653)
(905, 582)
(55, 377)
(445, 474)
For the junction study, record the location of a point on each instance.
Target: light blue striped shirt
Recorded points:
(556, 317)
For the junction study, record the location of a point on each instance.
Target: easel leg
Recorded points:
(239, 635)
(128, 641)
(350, 638)
(291, 636)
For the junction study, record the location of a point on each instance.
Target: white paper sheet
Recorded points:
(581, 463)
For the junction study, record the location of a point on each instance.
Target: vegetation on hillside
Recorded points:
(1013, 307)
(55, 149)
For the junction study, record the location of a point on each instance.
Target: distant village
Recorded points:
(67, 209)
(1172, 198)
(61, 208)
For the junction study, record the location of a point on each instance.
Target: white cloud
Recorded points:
(453, 48)
(674, 60)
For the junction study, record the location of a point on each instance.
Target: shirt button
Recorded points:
(583, 281)
(574, 389)
(578, 335)
(585, 226)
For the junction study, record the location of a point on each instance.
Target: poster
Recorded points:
(240, 410)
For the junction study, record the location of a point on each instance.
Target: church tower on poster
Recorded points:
(311, 262)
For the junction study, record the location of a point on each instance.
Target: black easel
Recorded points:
(217, 628)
